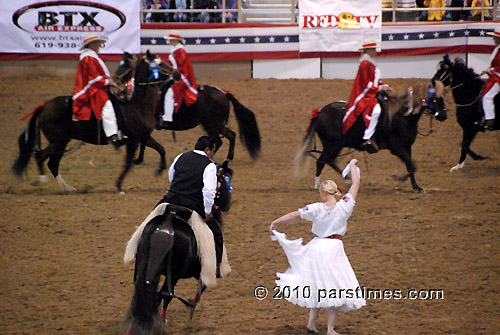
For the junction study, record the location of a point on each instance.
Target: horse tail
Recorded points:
(300, 160)
(143, 316)
(247, 123)
(27, 141)
(133, 243)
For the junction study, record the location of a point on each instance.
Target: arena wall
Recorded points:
(408, 51)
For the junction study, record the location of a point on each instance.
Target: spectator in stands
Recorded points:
(387, 16)
(180, 16)
(435, 15)
(205, 17)
(422, 16)
(229, 16)
(404, 16)
(475, 15)
(457, 15)
(156, 17)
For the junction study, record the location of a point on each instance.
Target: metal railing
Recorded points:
(193, 10)
(289, 16)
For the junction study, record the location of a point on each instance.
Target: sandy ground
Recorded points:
(61, 270)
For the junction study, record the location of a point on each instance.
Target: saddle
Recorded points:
(115, 101)
(162, 238)
(158, 225)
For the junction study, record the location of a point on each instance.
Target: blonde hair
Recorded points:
(330, 187)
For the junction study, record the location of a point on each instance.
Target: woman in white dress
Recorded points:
(320, 275)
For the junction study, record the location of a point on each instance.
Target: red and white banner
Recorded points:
(244, 42)
(338, 25)
(49, 27)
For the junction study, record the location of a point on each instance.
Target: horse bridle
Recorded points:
(157, 70)
(129, 71)
(447, 75)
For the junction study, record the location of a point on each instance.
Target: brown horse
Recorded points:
(54, 119)
(211, 111)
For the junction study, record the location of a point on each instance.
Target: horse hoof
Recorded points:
(122, 193)
(42, 180)
(457, 167)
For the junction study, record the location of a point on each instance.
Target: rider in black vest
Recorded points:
(193, 177)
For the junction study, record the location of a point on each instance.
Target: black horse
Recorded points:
(167, 246)
(211, 111)
(467, 88)
(396, 131)
(54, 119)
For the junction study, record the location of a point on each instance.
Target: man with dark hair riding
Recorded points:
(193, 178)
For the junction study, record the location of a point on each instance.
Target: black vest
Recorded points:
(187, 185)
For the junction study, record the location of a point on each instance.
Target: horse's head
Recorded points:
(125, 70)
(443, 73)
(147, 71)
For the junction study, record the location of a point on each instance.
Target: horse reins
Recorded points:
(430, 125)
(448, 74)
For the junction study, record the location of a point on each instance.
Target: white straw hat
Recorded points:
(174, 35)
(91, 38)
(495, 33)
(370, 45)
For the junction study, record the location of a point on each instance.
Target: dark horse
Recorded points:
(167, 246)
(396, 132)
(211, 111)
(467, 89)
(54, 119)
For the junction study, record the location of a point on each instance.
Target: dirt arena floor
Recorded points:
(61, 269)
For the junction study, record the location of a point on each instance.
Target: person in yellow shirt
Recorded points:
(476, 14)
(435, 15)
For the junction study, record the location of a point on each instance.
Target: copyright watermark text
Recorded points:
(306, 292)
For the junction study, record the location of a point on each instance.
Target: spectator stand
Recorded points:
(193, 11)
(286, 11)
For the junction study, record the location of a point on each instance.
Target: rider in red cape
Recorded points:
(363, 99)
(91, 89)
(185, 89)
(492, 86)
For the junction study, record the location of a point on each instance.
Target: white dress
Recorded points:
(320, 274)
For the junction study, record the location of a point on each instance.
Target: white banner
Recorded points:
(338, 25)
(31, 26)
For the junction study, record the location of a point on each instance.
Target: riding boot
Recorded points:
(162, 124)
(113, 139)
(479, 126)
(369, 146)
(489, 124)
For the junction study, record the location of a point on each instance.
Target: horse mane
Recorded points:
(402, 99)
(465, 73)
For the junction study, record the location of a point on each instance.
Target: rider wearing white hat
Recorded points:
(91, 89)
(492, 86)
(185, 90)
(363, 99)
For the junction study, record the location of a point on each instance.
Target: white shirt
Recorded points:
(329, 220)
(209, 181)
